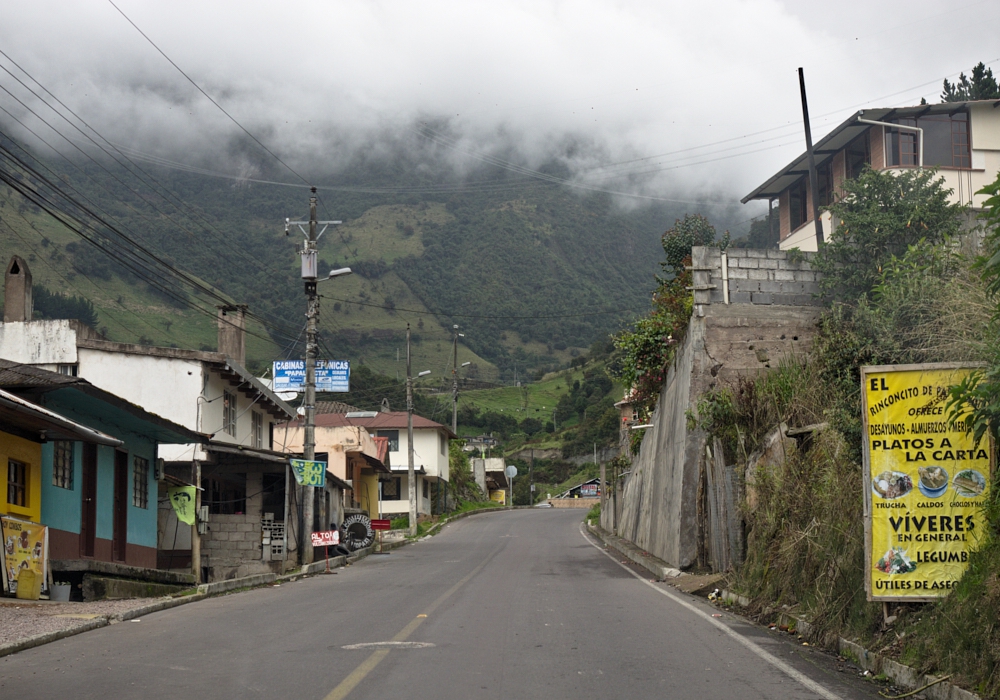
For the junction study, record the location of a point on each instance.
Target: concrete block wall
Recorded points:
(764, 277)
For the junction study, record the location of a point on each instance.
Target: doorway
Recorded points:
(88, 504)
(120, 525)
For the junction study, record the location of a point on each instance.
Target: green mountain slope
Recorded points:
(532, 273)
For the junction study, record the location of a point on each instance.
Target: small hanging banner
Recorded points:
(309, 473)
(182, 498)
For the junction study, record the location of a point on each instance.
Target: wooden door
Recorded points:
(120, 526)
(88, 505)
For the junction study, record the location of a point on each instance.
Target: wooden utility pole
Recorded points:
(410, 472)
(813, 177)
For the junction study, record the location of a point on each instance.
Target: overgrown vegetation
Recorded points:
(51, 305)
(645, 349)
(927, 301)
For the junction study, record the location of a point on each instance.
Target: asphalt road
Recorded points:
(506, 605)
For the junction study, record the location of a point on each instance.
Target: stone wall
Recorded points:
(668, 505)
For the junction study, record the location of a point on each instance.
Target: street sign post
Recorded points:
(378, 525)
(511, 472)
(331, 375)
(325, 539)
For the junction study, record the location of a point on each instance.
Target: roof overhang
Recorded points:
(842, 135)
(38, 424)
(251, 452)
(375, 463)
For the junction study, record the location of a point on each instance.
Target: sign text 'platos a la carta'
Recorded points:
(925, 482)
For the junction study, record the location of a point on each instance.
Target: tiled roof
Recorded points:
(389, 420)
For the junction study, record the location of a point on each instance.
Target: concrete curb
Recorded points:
(904, 676)
(234, 583)
(660, 569)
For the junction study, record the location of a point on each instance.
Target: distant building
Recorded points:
(960, 139)
(430, 448)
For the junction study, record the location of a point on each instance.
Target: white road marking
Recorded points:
(752, 646)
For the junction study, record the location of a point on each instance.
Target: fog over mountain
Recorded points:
(627, 97)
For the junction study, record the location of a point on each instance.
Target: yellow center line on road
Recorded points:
(368, 665)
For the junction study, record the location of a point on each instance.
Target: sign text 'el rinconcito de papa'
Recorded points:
(925, 482)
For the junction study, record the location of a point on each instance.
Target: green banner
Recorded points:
(183, 500)
(309, 473)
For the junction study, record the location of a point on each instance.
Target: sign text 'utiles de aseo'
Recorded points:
(925, 482)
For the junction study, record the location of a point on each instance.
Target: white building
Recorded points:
(960, 139)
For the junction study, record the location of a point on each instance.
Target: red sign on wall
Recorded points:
(380, 525)
(326, 538)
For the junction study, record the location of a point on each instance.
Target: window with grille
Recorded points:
(62, 464)
(17, 483)
(391, 489)
(229, 413)
(140, 482)
(256, 429)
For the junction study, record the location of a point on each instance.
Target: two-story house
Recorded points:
(960, 139)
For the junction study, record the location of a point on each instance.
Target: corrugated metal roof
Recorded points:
(842, 135)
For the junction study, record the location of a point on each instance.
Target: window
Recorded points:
(426, 490)
(17, 483)
(392, 489)
(229, 413)
(825, 174)
(858, 155)
(797, 204)
(140, 482)
(256, 429)
(69, 370)
(224, 496)
(946, 141)
(444, 444)
(62, 464)
(393, 436)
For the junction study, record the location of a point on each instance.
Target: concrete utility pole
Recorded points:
(195, 535)
(411, 477)
(309, 270)
(454, 385)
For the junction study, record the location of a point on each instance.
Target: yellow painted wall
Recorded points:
(367, 493)
(13, 447)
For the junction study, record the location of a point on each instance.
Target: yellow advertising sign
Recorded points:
(925, 483)
(499, 496)
(25, 546)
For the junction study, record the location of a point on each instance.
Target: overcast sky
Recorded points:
(616, 80)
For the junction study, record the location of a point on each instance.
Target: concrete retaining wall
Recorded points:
(674, 503)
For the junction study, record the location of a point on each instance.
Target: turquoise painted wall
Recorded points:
(61, 507)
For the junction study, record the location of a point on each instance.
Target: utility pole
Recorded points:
(195, 535)
(309, 270)
(813, 177)
(454, 385)
(411, 477)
